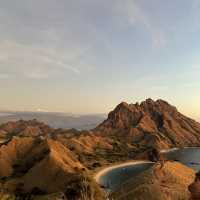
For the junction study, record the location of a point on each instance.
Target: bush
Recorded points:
(84, 188)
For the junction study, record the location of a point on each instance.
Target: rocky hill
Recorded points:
(151, 123)
(31, 128)
(130, 131)
(170, 182)
(36, 163)
(35, 158)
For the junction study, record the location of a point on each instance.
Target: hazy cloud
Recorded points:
(39, 39)
(5, 76)
(107, 48)
(134, 15)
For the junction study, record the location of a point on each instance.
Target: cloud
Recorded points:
(196, 66)
(132, 12)
(69, 67)
(66, 37)
(5, 76)
(41, 110)
(37, 62)
(47, 43)
(36, 74)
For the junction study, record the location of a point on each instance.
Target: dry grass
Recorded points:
(169, 183)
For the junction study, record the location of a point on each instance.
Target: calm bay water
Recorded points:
(113, 178)
(187, 156)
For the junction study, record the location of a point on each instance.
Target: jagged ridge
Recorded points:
(152, 123)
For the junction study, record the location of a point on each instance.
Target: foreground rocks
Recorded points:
(194, 188)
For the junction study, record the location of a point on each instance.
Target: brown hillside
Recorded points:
(151, 123)
(24, 128)
(34, 156)
(169, 183)
(31, 163)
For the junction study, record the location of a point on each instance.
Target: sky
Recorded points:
(87, 56)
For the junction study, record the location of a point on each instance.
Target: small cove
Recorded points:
(112, 177)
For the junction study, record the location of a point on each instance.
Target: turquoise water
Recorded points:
(112, 179)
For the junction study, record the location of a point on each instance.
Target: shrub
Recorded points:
(84, 188)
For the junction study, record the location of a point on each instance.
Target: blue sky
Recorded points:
(87, 56)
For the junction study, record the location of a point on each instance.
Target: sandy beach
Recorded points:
(109, 168)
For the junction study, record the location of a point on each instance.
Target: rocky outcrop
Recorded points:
(152, 123)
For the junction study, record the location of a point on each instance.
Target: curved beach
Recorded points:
(113, 176)
(110, 168)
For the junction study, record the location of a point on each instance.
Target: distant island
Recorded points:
(55, 119)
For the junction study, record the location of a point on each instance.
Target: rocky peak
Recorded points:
(159, 105)
(124, 115)
(129, 115)
(123, 106)
(152, 122)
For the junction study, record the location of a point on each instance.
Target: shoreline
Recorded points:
(100, 173)
(177, 148)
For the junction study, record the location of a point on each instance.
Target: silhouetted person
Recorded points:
(194, 188)
(155, 156)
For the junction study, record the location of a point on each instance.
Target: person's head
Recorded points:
(197, 176)
(155, 151)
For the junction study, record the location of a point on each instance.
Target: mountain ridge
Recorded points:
(36, 156)
(152, 118)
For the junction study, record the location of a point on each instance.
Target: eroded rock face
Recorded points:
(152, 123)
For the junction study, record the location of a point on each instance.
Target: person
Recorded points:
(155, 156)
(194, 188)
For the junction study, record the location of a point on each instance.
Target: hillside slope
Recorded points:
(151, 123)
(36, 157)
(169, 183)
(130, 131)
(31, 128)
(35, 163)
